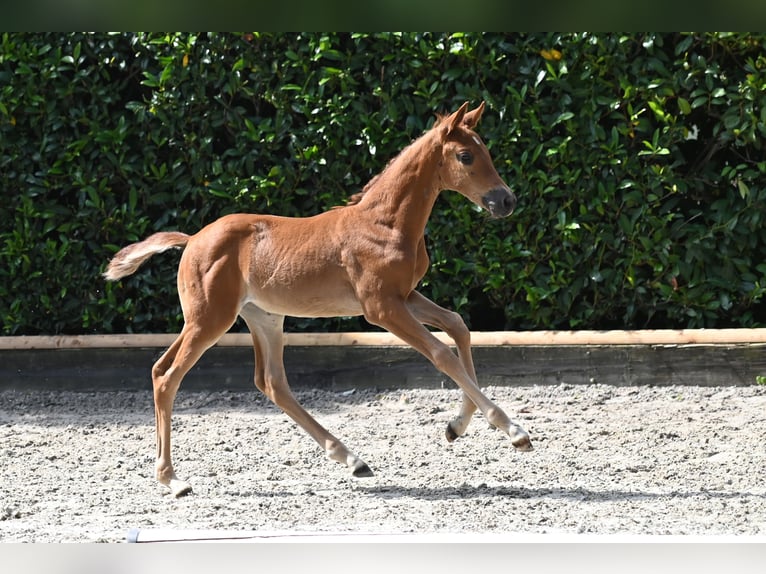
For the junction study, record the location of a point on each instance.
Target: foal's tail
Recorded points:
(130, 258)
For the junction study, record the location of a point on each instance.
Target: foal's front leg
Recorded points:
(394, 315)
(429, 313)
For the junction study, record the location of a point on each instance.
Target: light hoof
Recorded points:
(361, 470)
(521, 442)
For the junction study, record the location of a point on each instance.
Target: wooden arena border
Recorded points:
(378, 359)
(379, 339)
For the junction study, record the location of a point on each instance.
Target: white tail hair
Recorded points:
(130, 258)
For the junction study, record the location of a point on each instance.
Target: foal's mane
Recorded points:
(357, 197)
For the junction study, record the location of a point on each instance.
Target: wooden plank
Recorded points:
(349, 367)
(382, 339)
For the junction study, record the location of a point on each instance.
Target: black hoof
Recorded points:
(451, 434)
(183, 492)
(361, 470)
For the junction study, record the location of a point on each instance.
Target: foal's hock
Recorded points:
(364, 258)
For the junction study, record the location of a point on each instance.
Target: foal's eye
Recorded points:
(465, 157)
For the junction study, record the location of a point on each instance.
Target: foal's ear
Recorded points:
(454, 120)
(468, 119)
(472, 118)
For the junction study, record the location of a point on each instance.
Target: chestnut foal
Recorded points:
(364, 258)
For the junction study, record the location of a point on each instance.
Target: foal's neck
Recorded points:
(404, 193)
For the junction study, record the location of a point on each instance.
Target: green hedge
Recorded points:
(638, 162)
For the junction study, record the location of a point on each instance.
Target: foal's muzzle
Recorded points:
(500, 202)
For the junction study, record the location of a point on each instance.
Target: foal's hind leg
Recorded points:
(429, 313)
(270, 378)
(167, 374)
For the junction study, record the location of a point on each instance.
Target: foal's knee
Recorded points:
(457, 329)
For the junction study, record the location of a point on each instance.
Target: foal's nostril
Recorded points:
(500, 202)
(509, 202)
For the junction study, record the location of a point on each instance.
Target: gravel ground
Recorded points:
(78, 467)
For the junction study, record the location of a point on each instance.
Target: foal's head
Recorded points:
(466, 166)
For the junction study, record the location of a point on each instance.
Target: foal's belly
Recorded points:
(314, 302)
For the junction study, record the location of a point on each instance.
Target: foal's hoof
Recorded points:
(179, 488)
(522, 443)
(451, 434)
(361, 470)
